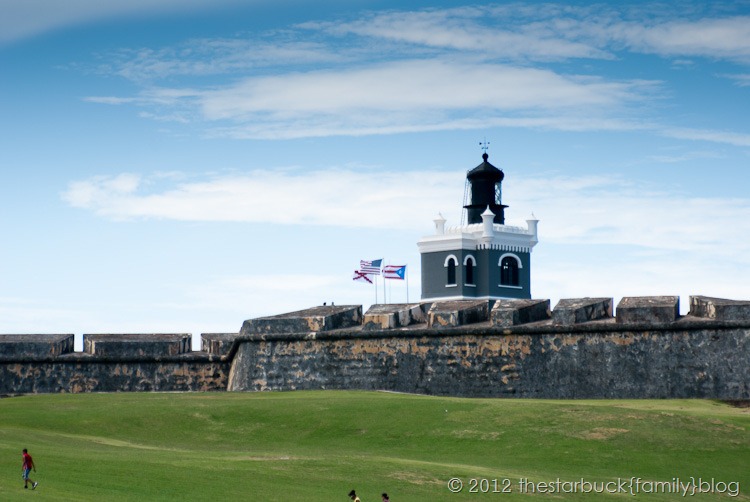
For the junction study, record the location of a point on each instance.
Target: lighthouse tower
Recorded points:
(482, 258)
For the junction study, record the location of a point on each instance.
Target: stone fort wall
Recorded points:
(512, 348)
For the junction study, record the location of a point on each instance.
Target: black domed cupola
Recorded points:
(485, 181)
(482, 258)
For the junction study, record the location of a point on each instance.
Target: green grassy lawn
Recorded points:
(316, 446)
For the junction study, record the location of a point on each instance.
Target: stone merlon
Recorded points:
(314, 319)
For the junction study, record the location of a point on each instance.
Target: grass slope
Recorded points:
(316, 446)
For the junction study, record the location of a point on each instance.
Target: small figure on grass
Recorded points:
(353, 496)
(28, 464)
(385, 497)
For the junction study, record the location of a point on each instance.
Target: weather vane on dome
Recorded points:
(485, 145)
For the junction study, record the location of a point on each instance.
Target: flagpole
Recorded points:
(383, 279)
(407, 284)
(385, 298)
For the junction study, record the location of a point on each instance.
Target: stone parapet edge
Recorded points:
(592, 327)
(82, 357)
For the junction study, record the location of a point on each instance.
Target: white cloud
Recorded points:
(592, 210)
(742, 80)
(482, 30)
(205, 57)
(333, 197)
(412, 85)
(558, 31)
(726, 137)
(400, 96)
(502, 33)
(319, 127)
(429, 70)
(599, 236)
(683, 157)
(98, 190)
(111, 100)
(716, 38)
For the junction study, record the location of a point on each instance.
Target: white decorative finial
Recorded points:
(488, 220)
(532, 228)
(439, 224)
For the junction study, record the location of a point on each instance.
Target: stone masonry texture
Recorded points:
(596, 362)
(649, 352)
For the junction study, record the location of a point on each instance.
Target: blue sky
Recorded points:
(180, 166)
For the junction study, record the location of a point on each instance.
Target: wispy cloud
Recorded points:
(327, 196)
(716, 38)
(434, 69)
(674, 158)
(517, 33)
(414, 85)
(726, 137)
(572, 210)
(543, 32)
(218, 56)
(484, 31)
(414, 95)
(741, 80)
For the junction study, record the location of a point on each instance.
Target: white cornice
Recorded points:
(460, 297)
(472, 237)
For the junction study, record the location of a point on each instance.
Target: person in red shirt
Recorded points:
(28, 464)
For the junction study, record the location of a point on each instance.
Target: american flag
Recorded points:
(371, 267)
(394, 272)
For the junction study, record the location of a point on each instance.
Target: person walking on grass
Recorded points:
(353, 496)
(28, 464)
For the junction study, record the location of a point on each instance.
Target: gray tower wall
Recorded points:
(486, 275)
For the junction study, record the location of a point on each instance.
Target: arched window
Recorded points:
(469, 264)
(451, 262)
(509, 265)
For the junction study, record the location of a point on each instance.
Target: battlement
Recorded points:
(640, 311)
(310, 320)
(523, 348)
(13, 347)
(515, 348)
(137, 344)
(719, 309)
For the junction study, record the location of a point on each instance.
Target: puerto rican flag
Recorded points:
(394, 272)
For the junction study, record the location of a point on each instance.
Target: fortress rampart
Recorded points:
(512, 348)
(110, 363)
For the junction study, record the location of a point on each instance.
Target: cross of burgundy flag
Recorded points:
(361, 276)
